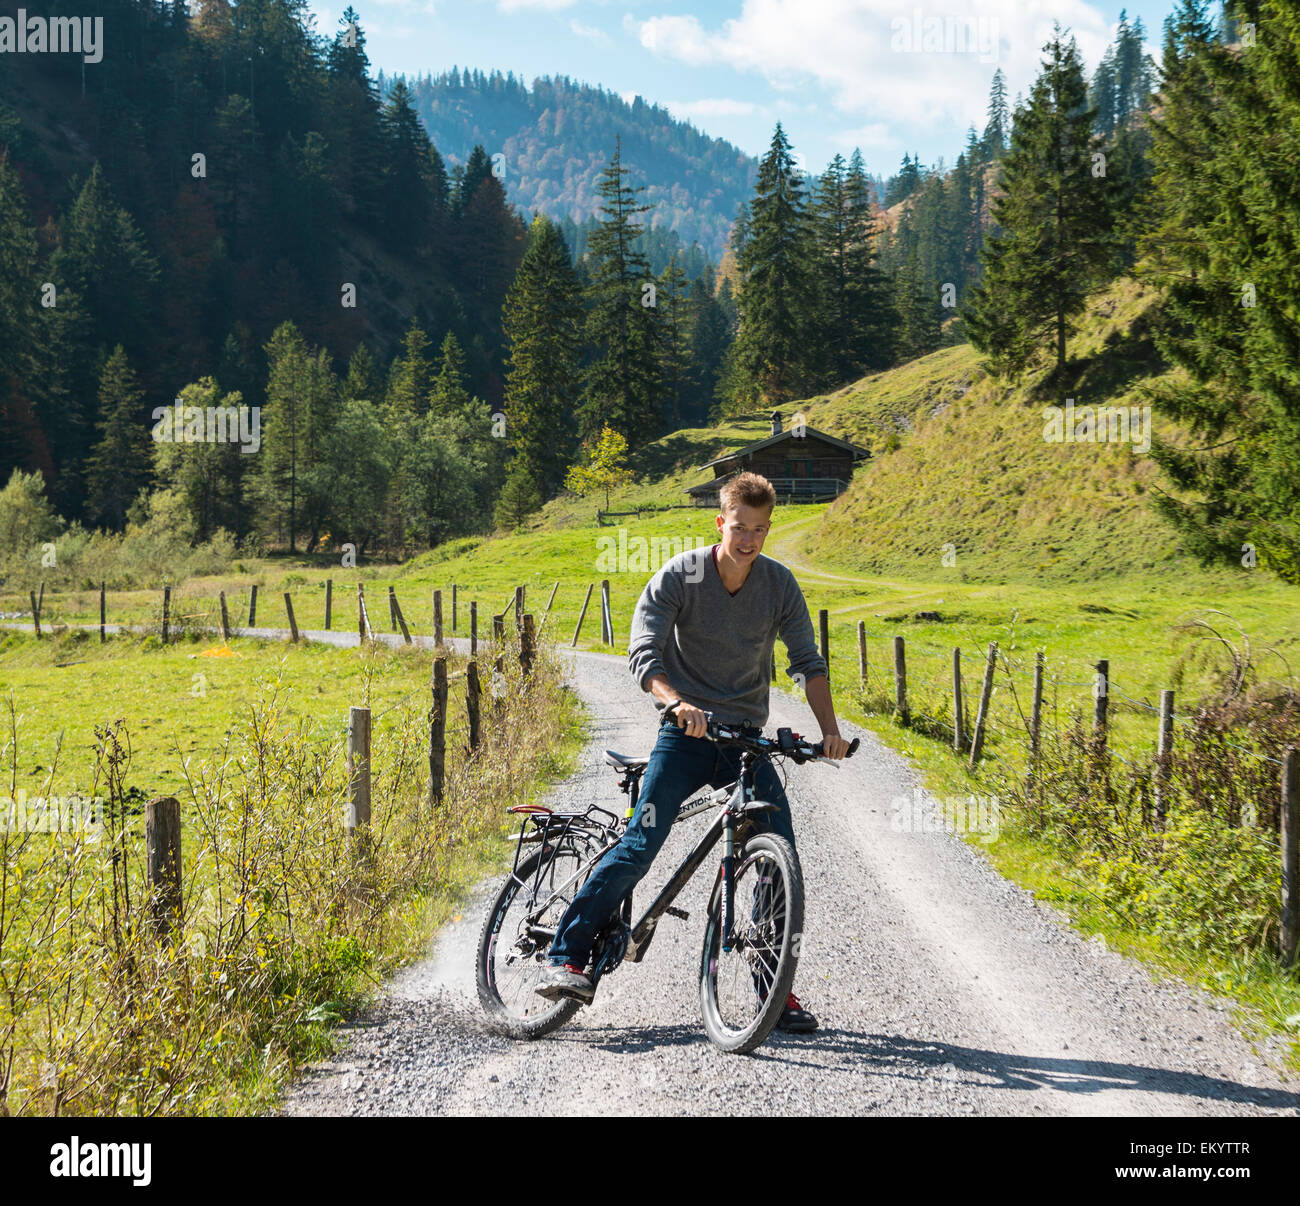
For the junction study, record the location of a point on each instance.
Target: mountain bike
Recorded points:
(746, 966)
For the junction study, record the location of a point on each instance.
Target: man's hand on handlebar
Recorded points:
(692, 720)
(834, 747)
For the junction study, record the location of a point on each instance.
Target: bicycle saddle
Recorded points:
(623, 762)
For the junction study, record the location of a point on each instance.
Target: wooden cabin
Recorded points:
(802, 463)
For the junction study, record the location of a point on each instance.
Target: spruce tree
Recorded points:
(1056, 217)
(675, 365)
(119, 463)
(997, 127)
(542, 319)
(775, 344)
(1229, 221)
(622, 384)
(449, 394)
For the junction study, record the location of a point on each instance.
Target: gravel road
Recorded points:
(941, 988)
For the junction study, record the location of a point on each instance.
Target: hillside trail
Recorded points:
(941, 988)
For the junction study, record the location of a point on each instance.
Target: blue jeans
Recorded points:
(679, 766)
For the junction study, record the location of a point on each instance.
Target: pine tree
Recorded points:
(519, 497)
(362, 381)
(449, 393)
(542, 319)
(675, 366)
(21, 440)
(997, 127)
(411, 377)
(623, 381)
(301, 405)
(119, 464)
(1228, 218)
(1055, 244)
(408, 195)
(777, 299)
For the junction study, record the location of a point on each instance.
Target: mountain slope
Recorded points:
(972, 468)
(555, 137)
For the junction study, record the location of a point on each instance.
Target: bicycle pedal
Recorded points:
(680, 914)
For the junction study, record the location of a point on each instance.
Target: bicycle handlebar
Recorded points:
(787, 744)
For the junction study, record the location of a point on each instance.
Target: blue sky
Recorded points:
(887, 75)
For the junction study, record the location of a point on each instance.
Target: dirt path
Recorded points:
(941, 988)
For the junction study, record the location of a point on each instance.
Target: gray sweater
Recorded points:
(715, 648)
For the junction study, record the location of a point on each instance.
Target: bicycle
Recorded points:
(745, 973)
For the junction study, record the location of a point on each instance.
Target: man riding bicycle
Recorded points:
(702, 639)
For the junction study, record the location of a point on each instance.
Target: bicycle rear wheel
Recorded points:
(742, 991)
(512, 953)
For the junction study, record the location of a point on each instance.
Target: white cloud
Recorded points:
(588, 31)
(878, 59)
(713, 106)
(874, 136)
(546, 6)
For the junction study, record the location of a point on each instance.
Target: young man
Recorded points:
(702, 638)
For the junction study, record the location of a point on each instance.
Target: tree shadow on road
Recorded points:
(906, 1059)
(912, 1059)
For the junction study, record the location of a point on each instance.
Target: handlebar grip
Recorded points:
(820, 748)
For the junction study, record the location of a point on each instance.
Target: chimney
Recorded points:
(776, 422)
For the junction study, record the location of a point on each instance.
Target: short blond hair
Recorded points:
(747, 490)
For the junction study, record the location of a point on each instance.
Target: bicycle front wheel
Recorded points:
(742, 991)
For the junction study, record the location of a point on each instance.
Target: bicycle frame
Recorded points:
(733, 822)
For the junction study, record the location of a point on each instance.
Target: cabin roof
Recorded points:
(767, 441)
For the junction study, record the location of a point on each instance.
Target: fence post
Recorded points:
(392, 609)
(437, 618)
(1101, 691)
(225, 619)
(1290, 836)
(547, 612)
(472, 704)
(363, 616)
(162, 840)
(252, 606)
(582, 615)
(438, 731)
(356, 820)
(981, 716)
(329, 602)
(102, 611)
(401, 621)
(774, 661)
(1036, 715)
(453, 607)
(527, 640)
(473, 627)
(498, 639)
(862, 652)
(167, 612)
(606, 619)
(958, 737)
(36, 615)
(519, 608)
(293, 623)
(1164, 754)
(824, 632)
(900, 681)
